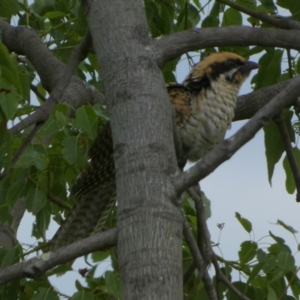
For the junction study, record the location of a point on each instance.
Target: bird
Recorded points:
(204, 105)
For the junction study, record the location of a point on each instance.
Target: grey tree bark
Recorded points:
(149, 223)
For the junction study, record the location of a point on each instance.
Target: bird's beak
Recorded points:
(250, 65)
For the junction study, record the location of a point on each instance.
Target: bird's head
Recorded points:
(223, 66)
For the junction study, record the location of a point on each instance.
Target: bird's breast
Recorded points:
(212, 113)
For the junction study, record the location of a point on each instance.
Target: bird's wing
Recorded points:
(181, 101)
(101, 168)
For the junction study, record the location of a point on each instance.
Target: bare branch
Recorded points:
(204, 243)
(39, 265)
(285, 136)
(201, 266)
(280, 22)
(228, 147)
(249, 104)
(171, 46)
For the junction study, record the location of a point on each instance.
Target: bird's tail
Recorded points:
(96, 191)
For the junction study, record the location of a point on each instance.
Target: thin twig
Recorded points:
(201, 265)
(280, 22)
(51, 197)
(37, 93)
(21, 149)
(189, 272)
(226, 281)
(202, 229)
(195, 194)
(285, 136)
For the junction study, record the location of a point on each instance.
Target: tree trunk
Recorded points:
(149, 223)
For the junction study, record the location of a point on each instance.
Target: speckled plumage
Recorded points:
(204, 108)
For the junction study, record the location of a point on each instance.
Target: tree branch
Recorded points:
(202, 229)
(280, 22)
(171, 46)
(24, 41)
(228, 147)
(39, 265)
(285, 136)
(202, 267)
(249, 104)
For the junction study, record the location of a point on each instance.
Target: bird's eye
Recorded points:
(230, 64)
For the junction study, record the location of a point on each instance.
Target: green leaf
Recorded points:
(294, 8)
(51, 127)
(261, 255)
(72, 152)
(269, 4)
(207, 204)
(270, 69)
(287, 227)
(8, 67)
(87, 120)
(9, 103)
(274, 148)
(298, 66)
(255, 270)
(290, 181)
(31, 157)
(271, 294)
(11, 256)
(284, 3)
(42, 222)
(251, 4)
(244, 222)
(247, 252)
(100, 255)
(189, 17)
(232, 17)
(210, 22)
(36, 200)
(294, 282)
(215, 11)
(8, 8)
(113, 283)
(53, 14)
(24, 81)
(276, 238)
(61, 269)
(83, 295)
(269, 265)
(45, 294)
(286, 261)
(15, 190)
